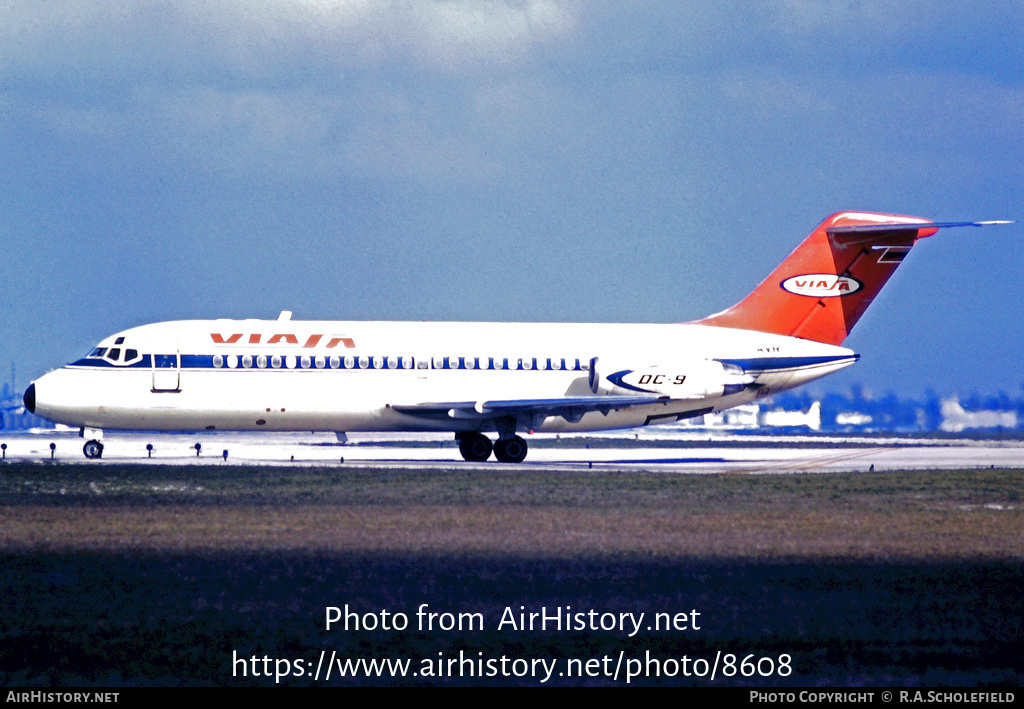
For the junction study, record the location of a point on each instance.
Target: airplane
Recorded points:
(478, 378)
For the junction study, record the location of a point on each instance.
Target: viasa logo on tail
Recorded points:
(821, 285)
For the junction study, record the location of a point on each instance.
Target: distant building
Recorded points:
(13, 416)
(740, 417)
(21, 420)
(779, 417)
(853, 418)
(955, 419)
(861, 413)
(752, 417)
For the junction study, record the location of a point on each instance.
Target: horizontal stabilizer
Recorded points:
(865, 228)
(848, 233)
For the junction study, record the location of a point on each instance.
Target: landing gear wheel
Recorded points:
(510, 450)
(475, 447)
(93, 449)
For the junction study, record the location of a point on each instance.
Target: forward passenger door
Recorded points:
(167, 372)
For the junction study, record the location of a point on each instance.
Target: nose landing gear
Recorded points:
(93, 449)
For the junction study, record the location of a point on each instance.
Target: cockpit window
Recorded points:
(130, 355)
(114, 354)
(98, 352)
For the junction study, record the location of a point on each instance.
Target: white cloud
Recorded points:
(447, 34)
(281, 85)
(451, 33)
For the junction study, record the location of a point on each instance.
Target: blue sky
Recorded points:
(537, 161)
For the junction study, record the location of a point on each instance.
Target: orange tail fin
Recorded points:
(821, 290)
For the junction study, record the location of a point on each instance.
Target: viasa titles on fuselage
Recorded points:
(478, 378)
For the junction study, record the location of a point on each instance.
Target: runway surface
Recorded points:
(117, 573)
(681, 453)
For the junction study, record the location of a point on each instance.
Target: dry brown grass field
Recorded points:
(123, 574)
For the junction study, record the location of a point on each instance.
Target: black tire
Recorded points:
(93, 449)
(475, 447)
(510, 450)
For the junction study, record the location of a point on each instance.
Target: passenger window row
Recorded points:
(113, 355)
(278, 361)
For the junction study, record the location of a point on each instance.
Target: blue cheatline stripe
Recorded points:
(144, 363)
(194, 361)
(763, 364)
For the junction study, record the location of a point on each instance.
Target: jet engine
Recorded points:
(685, 379)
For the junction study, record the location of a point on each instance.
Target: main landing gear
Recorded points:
(510, 450)
(476, 447)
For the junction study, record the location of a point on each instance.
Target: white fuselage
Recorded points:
(284, 375)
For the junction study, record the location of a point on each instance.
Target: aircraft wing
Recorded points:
(571, 408)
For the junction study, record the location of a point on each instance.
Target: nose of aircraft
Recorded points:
(30, 398)
(48, 397)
